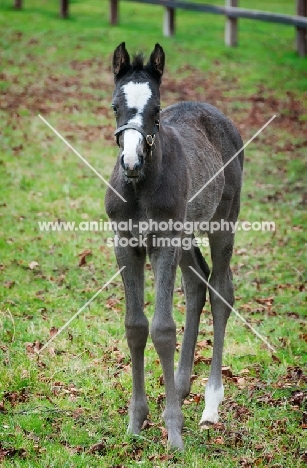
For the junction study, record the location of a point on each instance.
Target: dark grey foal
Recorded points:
(165, 157)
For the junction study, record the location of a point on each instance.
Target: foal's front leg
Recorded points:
(133, 258)
(163, 332)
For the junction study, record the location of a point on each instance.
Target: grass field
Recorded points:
(69, 407)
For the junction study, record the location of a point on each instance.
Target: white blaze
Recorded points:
(137, 95)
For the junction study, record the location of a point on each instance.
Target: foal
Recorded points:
(166, 157)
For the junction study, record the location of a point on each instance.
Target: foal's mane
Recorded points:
(138, 65)
(138, 62)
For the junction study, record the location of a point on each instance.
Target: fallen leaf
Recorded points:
(8, 284)
(32, 265)
(98, 448)
(53, 331)
(219, 440)
(266, 300)
(197, 398)
(147, 424)
(19, 396)
(240, 381)
(244, 371)
(32, 348)
(303, 336)
(83, 255)
(204, 344)
(226, 370)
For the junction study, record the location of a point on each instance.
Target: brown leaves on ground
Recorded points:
(263, 460)
(9, 452)
(15, 397)
(239, 412)
(99, 448)
(239, 380)
(115, 360)
(63, 94)
(294, 377)
(265, 306)
(83, 255)
(54, 92)
(114, 303)
(70, 390)
(229, 436)
(204, 344)
(161, 458)
(8, 284)
(194, 398)
(33, 348)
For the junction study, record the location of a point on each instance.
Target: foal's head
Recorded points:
(136, 104)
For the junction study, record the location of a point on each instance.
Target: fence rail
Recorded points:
(231, 11)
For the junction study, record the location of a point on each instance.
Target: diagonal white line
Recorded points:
(80, 310)
(81, 157)
(234, 310)
(232, 158)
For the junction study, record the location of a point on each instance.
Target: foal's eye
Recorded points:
(114, 107)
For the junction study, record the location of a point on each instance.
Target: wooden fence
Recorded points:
(231, 11)
(64, 7)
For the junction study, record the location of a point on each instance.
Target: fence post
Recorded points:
(301, 10)
(18, 4)
(169, 22)
(64, 4)
(231, 26)
(113, 12)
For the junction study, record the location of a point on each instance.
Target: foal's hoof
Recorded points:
(133, 429)
(174, 427)
(175, 441)
(137, 415)
(135, 425)
(208, 419)
(205, 425)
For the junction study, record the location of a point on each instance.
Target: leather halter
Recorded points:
(150, 139)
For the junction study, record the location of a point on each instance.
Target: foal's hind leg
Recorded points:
(221, 281)
(137, 329)
(195, 295)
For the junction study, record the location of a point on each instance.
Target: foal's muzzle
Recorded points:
(132, 173)
(149, 140)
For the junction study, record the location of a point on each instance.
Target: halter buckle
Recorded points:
(150, 139)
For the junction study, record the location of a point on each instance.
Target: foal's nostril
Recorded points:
(122, 162)
(139, 164)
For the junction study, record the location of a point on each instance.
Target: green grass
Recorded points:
(55, 409)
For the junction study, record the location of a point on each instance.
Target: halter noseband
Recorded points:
(150, 139)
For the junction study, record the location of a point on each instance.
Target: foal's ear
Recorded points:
(121, 61)
(156, 62)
